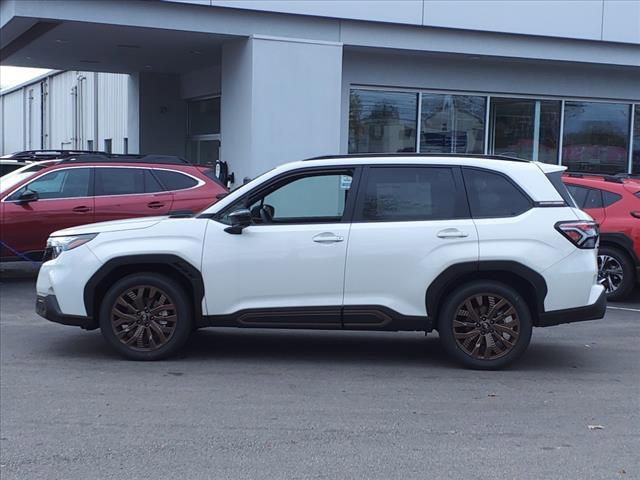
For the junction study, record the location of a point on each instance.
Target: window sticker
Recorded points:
(345, 182)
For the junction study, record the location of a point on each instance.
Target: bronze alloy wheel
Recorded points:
(486, 326)
(143, 318)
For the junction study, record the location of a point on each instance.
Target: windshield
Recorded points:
(10, 180)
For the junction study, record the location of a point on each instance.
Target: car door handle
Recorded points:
(155, 204)
(452, 233)
(327, 237)
(81, 209)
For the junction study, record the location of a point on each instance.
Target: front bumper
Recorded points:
(47, 307)
(594, 311)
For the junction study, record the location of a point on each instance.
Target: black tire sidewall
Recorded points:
(448, 311)
(177, 296)
(628, 277)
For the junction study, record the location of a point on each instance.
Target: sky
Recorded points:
(10, 76)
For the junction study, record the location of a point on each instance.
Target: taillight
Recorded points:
(582, 233)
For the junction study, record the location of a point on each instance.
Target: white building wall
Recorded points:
(73, 114)
(577, 19)
(13, 122)
(61, 110)
(112, 111)
(32, 116)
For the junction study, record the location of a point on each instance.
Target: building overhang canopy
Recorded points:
(71, 45)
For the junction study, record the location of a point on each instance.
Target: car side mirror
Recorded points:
(240, 219)
(28, 196)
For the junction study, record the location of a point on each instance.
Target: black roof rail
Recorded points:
(426, 155)
(606, 177)
(126, 158)
(628, 175)
(50, 154)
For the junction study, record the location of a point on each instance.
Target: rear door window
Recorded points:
(493, 195)
(395, 194)
(119, 181)
(579, 194)
(151, 184)
(587, 197)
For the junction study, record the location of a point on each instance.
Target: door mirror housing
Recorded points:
(28, 196)
(240, 219)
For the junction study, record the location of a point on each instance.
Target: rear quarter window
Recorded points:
(175, 180)
(556, 180)
(609, 198)
(211, 173)
(493, 195)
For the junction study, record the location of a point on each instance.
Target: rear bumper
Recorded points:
(47, 307)
(594, 311)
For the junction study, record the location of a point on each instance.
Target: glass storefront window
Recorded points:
(525, 128)
(635, 159)
(452, 123)
(203, 140)
(204, 116)
(382, 121)
(596, 137)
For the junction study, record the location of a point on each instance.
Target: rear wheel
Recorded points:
(485, 325)
(145, 317)
(615, 272)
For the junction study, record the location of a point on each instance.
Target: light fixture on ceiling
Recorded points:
(195, 52)
(61, 40)
(148, 67)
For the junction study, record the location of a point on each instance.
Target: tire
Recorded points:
(615, 272)
(509, 334)
(157, 330)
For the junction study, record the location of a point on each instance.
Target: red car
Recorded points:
(47, 196)
(614, 202)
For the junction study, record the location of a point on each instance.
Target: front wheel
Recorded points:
(146, 317)
(485, 325)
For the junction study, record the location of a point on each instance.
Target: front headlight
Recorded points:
(57, 245)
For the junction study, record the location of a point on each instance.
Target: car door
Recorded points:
(129, 192)
(287, 267)
(64, 200)
(410, 223)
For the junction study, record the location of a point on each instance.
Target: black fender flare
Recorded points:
(466, 271)
(184, 270)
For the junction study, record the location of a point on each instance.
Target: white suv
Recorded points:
(479, 248)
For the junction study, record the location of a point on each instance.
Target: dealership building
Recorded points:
(259, 83)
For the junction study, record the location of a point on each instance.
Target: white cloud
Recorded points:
(10, 76)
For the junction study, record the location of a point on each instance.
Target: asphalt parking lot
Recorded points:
(253, 404)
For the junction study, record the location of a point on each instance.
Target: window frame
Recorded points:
(461, 197)
(532, 203)
(90, 191)
(151, 169)
(278, 181)
(633, 104)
